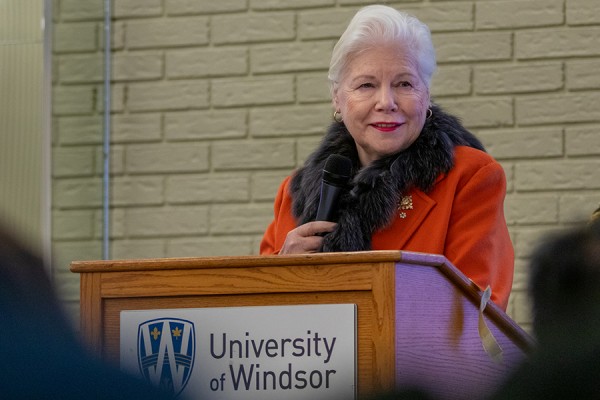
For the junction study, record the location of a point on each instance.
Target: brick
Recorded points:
(582, 140)
(73, 100)
(478, 46)
(361, 2)
(117, 40)
(249, 28)
(80, 130)
(137, 191)
(552, 175)
(128, 128)
(525, 78)
(451, 80)
(55, 67)
(209, 62)
(186, 7)
(531, 209)
(256, 240)
(286, 4)
(583, 12)
(528, 238)
(73, 225)
(265, 184)
(117, 160)
(252, 91)
(521, 275)
(67, 284)
(66, 252)
(164, 32)
(312, 88)
(166, 221)
(256, 154)
(137, 8)
(77, 193)
(75, 37)
(210, 247)
(137, 66)
(76, 68)
(138, 248)
(556, 43)
(203, 125)
(116, 223)
(77, 10)
(117, 98)
(213, 188)
(305, 147)
(445, 16)
(576, 107)
(72, 161)
(171, 95)
(240, 218)
(518, 14)
(522, 308)
(67, 290)
(523, 143)
(172, 157)
(323, 24)
(509, 172)
(482, 112)
(578, 208)
(287, 57)
(583, 74)
(290, 120)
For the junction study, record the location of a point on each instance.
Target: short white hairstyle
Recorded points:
(376, 25)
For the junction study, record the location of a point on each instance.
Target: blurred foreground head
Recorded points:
(41, 355)
(565, 285)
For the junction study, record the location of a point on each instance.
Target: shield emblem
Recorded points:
(166, 352)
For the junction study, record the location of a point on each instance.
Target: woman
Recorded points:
(420, 181)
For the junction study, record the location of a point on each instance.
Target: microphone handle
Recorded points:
(329, 196)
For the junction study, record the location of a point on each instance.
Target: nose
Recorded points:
(386, 101)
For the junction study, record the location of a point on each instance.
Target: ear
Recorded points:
(334, 99)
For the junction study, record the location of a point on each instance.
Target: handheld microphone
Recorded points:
(336, 176)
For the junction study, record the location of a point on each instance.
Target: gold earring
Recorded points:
(429, 113)
(337, 116)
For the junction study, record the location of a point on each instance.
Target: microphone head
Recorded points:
(337, 170)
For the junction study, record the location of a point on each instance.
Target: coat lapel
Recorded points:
(412, 211)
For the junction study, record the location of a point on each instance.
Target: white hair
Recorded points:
(375, 25)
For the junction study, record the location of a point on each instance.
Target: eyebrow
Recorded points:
(368, 76)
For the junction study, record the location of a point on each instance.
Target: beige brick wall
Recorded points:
(214, 102)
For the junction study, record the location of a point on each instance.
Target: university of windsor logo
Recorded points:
(166, 352)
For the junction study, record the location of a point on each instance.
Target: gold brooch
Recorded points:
(406, 203)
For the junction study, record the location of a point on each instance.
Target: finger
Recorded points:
(298, 244)
(315, 227)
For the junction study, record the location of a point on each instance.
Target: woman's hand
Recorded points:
(306, 238)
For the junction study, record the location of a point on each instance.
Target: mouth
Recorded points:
(386, 126)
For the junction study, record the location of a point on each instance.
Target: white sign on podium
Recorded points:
(270, 352)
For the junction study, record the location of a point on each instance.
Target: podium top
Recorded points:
(147, 264)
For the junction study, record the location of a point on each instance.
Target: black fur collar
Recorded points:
(374, 192)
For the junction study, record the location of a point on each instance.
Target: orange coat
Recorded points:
(462, 218)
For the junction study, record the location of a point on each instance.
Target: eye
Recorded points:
(366, 85)
(404, 84)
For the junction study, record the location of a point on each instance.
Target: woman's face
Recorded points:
(382, 100)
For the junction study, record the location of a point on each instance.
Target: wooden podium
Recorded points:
(417, 314)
